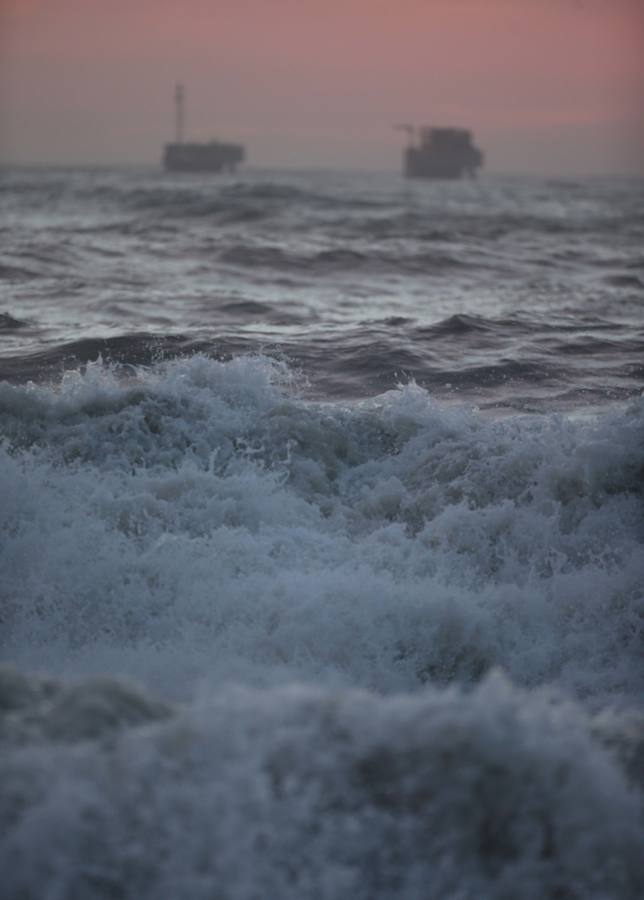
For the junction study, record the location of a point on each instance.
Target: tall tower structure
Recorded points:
(192, 156)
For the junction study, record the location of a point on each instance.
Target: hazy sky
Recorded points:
(548, 86)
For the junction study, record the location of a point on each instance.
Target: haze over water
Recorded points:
(550, 88)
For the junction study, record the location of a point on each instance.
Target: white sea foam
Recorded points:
(209, 533)
(297, 793)
(203, 522)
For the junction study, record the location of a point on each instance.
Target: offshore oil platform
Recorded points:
(440, 153)
(212, 156)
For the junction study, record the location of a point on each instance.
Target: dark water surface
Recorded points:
(321, 537)
(525, 294)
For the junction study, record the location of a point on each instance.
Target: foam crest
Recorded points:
(302, 793)
(212, 525)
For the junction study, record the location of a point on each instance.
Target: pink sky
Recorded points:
(548, 86)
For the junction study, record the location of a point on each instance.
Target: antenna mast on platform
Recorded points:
(179, 113)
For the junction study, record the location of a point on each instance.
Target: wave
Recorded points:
(376, 649)
(121, 353)
(263, 638)
(18, 273)
(335, 259)
(209, 519)
(227, 202)
(9, 323)
(462, 324)
(241, 200)
(126, 350)
(276, 258)
(305, 793)
(625, 281)
(518, 361)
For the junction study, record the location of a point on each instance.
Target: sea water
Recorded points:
(321, 527)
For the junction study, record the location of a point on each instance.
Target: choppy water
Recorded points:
(321, 537)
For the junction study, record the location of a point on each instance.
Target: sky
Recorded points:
(552, 87)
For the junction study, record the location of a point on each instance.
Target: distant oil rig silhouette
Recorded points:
(430, 153)
(212, 156)
(440, 153)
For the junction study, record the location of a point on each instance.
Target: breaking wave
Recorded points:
(210, 521)
(300, 792)
(282, 614)
(378, 649)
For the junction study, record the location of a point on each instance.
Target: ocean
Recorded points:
(321, 537)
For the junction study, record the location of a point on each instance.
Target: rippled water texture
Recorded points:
(321, 538)
(511, 293)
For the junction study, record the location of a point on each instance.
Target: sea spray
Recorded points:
(212, 524)
(320, 537)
